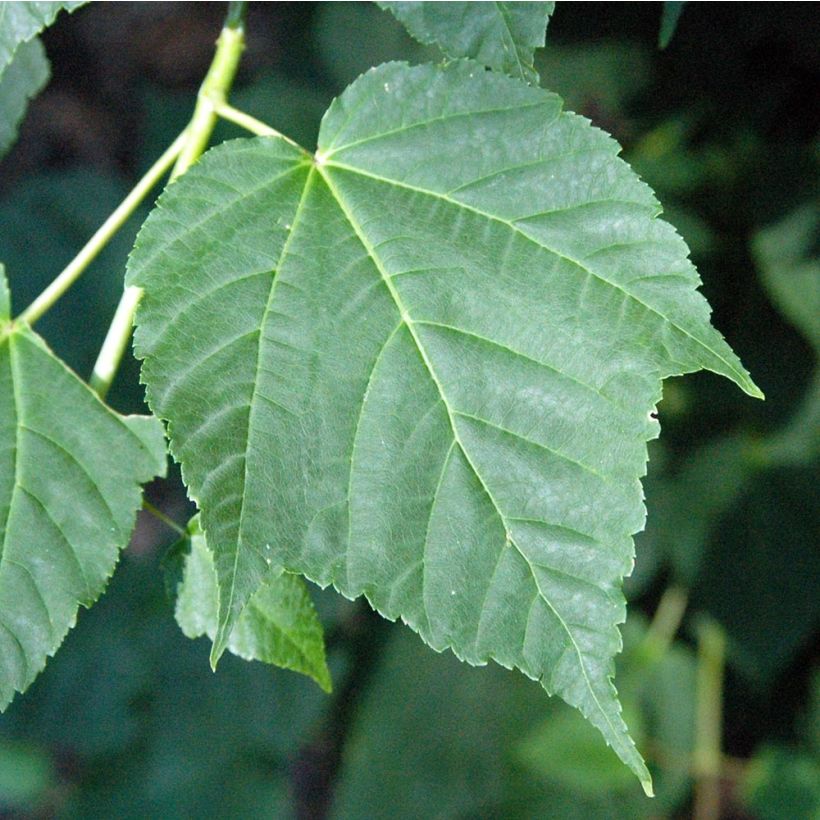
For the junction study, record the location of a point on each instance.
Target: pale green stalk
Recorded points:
(212, 95)
(665, 624)
(249, 123)
(116, 340)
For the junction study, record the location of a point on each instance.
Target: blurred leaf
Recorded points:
(788, 257)
(26, 775)
(760, 575)
(147, 730)
(278, 626)
(665, 158)
(783, 784)
(70, 477)
(431, 736)
(21, 21)
(812, 723)
(689, 505)
(502, 36)
(658, 692)
(566, 749)
(670, 14)
(798, 441)
(667, 696)
(22, 80)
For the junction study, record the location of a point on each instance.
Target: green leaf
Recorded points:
(421, 366)
(22, 21)
(670, 15)
(689, 505)
(502, 36)
(658, 687)
(130, 699)
(773, 524)
(70, 470)
(26, 775)
(22, 80)
(783, 784)
(24, 69)
(786, 255)
(278, 626)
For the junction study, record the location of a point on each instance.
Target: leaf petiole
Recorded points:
(116, 340)
(249, 123)
(192, 142)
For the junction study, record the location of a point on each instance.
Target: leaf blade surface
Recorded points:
(70, 476)
(463, 329)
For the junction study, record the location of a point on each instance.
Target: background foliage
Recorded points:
(128, 720)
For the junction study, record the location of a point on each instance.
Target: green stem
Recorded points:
(92, 248)
(116, 341)
(212, 95)
(665, 623)
(709, 721)
(249, 123)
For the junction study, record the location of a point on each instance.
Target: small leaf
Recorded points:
(278, 626)
(502, 36)
(670, 15)
(22, 80)
(70, 475)
(421, 366)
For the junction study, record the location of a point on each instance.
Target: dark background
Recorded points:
(128, 720)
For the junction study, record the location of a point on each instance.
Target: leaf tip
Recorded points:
(646, 783)
(750, 388)
(220, 644)
(322, 677)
